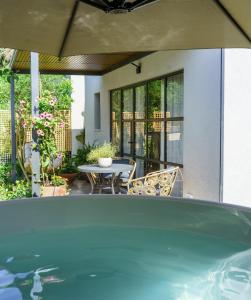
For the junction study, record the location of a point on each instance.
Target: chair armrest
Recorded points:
(140, 179)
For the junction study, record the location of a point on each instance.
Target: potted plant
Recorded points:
(80, 158)
(102, 155)
(68, 170)
(57, 186)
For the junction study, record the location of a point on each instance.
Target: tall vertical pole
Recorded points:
(13, 130)
(35, 155)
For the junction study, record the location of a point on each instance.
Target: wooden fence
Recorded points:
(63, 135)
(5, 136)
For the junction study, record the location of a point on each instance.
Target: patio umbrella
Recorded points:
(70, 27)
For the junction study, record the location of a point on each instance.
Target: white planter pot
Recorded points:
(105, 162)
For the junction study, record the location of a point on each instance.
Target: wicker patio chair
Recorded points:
(159, 183)
(125, 179)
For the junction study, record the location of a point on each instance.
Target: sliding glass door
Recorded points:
(147, 122)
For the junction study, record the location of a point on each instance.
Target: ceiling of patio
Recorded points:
(71, 27)
(93, 64)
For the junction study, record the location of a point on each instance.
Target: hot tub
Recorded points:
(123, 248)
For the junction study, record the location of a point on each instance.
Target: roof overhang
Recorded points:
(92, 64)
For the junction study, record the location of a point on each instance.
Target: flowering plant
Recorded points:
(23, 125)
(44, 126)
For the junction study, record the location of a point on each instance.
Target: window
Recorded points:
(147, 122)
(116, 119)
(97, 116)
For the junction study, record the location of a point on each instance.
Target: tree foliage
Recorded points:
(58, 86)
(55, 96)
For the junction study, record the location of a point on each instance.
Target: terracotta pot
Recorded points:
(69, 177)
(105, 162)
(60, 190)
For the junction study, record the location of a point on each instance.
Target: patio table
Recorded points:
(114, 169)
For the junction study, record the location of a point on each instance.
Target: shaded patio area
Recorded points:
(151, 133)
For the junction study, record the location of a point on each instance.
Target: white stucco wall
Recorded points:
(77, 110)
(93, 86)
(202, 96)
(237, 127)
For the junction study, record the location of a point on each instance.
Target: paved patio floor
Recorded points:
(80, 186)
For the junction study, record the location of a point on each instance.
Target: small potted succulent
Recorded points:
(102, 155)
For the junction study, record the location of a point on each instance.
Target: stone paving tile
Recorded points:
(79, 187)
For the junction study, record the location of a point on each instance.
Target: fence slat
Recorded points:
(63, 135)
(5, 136)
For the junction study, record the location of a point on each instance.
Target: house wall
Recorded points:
(93, 86)
(237, 124)
(202, 97)
(77, 110)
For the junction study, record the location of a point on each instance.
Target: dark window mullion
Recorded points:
(165, 122)
(111, 121)
(133, 150)
(121, 120)
(147, 101)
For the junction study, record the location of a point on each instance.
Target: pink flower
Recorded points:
(49, 117)
(40, 132)
(24, 124)
(42, 116)
(46, 124)
(61, 125)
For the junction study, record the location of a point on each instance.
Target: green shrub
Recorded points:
(57, 180)
(81, 157)
(17, 190)
(5, 173)
(104, 151)
(68, 166)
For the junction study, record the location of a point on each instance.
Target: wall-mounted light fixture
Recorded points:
(138, 67)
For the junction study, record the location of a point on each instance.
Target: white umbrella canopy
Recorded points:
(70, 27)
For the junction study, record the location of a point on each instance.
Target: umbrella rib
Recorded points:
(232, 19)
(141, 3)
(94, 4)
(68, 28)
(122, 3)
(105, 2)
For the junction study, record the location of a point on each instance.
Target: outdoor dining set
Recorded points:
(119, 179)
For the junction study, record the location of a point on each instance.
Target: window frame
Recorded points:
(146, 120)
(97, 112)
